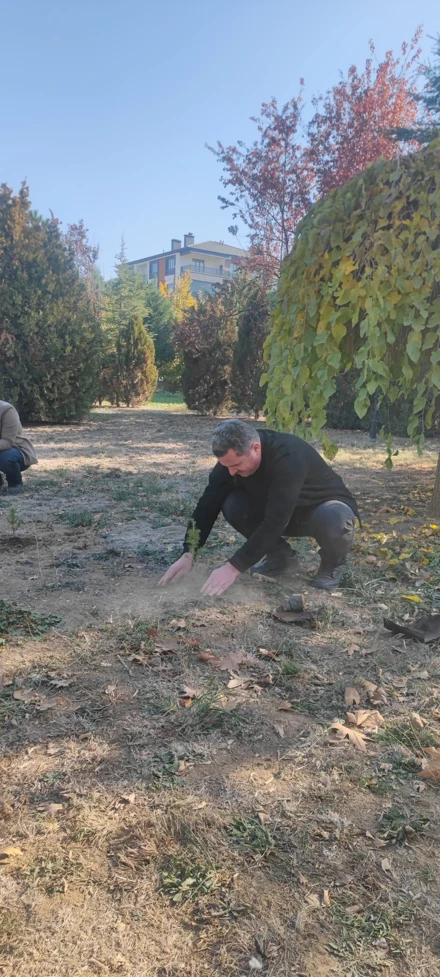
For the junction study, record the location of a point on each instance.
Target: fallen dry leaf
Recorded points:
(386, 865)
(431, 768)
(369, 687)
(367, 718)
(352, 648)
(239, 683)
(338, 733)
(285, 707)
(279, 730)
(6, 809)
(178, 624)
(128, 798)
(399, 681)
(417, 721)
(424, 676)
(206, 656)
(61, 683)
(44, 704)
(230, 663)
(8, 854)
(53, 809)
(167, 647)
(351, 696)
(26, 695)
(267, 654)
(378, 698)
(193, 643)
(313, 900)
(185, 702)
(189, 693)
(325, 898)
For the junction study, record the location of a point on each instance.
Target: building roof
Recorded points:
(211, 247)
(219, 247)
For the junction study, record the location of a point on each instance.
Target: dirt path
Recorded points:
(168, 809)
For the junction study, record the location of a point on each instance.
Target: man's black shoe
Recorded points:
(277, 563)
(328, 577)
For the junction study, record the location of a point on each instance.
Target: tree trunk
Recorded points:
(434, 508)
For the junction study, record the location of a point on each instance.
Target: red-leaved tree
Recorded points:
(352, 120)
(271, 183)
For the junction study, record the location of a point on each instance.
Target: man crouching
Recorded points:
(270, 486)
(16, 451)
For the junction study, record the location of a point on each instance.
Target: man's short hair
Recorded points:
(233, 435)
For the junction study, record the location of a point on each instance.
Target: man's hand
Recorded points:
(181, 567)
(220, 580)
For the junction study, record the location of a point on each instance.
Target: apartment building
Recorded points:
(208, 262)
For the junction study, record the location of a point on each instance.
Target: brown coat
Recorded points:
(12, 436)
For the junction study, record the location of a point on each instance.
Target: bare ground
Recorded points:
(162, 815)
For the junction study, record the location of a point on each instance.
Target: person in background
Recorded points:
(16, 451)
(270, 486)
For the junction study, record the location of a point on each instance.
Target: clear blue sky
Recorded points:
(106, 108)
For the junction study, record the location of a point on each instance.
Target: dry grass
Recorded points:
(161, 832)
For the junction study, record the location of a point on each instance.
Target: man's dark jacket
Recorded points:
(291, 475)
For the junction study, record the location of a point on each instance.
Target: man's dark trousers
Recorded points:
(12, 464)
(330, 523)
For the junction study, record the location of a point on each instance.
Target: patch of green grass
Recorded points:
(289, 668)
(146, 550)
(52, 874)
(207, 713)
(122, 494)
(399, 826)
(403, 766)
(17, 622)
(165, 397)
(148, 486)
(251, 834)
(173, 507)
(158, 705)
(404, 734)
(106, 554)
(78, 517)
(70, 565)
(136, 636)
(329, 616)
(42, 483)
(377, 786)
(164, 769)
(12, 930)
(184, 880)
(358, 931)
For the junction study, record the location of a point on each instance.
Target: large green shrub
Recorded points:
(361, 289)
(50, 335)
(206, 338)
(247, 395)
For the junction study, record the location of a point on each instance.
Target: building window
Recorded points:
(154, 269)
(198, 265)
(170, 266)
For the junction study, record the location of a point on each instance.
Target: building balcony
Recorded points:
(206, 273)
